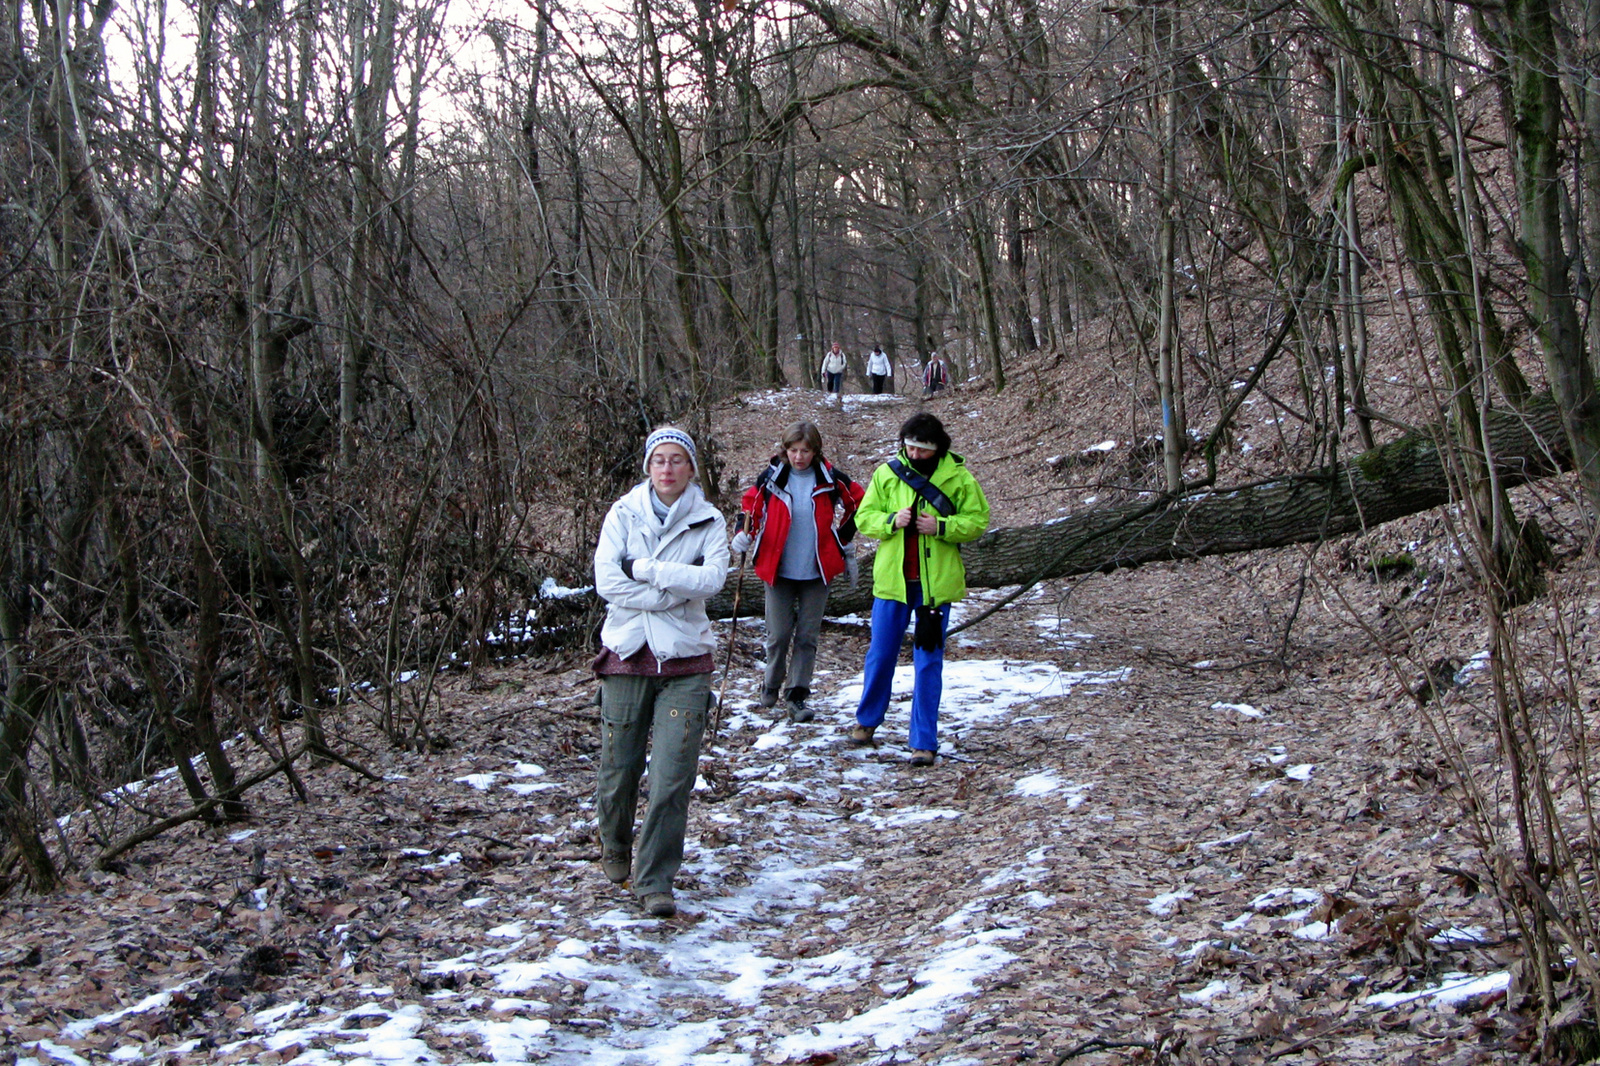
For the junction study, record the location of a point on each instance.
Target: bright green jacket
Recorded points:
(944, 578)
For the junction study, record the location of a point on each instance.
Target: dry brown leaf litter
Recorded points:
(1155, 940)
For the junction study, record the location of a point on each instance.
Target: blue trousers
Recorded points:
(889, 621)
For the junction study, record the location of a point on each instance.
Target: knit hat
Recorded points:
(670, 435)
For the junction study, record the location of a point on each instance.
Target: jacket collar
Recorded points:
(690, 509)
(778, 471)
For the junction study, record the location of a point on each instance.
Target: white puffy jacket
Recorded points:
(678, 565)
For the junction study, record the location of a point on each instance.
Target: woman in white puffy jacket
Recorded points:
(663, 552)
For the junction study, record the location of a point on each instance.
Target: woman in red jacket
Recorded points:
(800, 518)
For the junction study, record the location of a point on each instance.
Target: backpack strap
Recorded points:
(923, 487)
(838, 479)
(764, 487)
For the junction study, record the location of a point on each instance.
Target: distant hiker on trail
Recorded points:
(833, 366)
(663, 552)
(936, 375)
(877, 369)
(801, 518)
(920, 504)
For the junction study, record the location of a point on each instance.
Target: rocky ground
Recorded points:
(1187, 813)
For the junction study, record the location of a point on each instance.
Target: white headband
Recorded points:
(909, 443)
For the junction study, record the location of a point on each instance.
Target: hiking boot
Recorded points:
(616, 869)
(861, 735)
(660, 905)
(920, 757)
(768, 699)
(799, 712)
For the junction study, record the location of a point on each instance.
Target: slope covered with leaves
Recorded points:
(1185, 813)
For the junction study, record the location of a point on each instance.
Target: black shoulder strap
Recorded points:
(837, 480)
(923, 487)
(770, 479)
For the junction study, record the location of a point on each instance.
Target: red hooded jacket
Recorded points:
(770, 518)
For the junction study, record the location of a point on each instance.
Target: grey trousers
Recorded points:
(794, 615)
(669, 715)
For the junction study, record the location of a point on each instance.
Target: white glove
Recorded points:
(740, 543)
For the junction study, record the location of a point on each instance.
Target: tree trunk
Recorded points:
(1587, 88)
(129, 604)
(1537, 142)
(1173, 432)
(1352, 311)
(1017, 265)
(922, 343)
(1401, 478)
(198, 707)
(372, 67)
(978, 235)
(21, 700)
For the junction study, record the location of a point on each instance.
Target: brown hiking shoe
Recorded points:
(920, 757)
(861, 735)
(660, 905)
(616, 869)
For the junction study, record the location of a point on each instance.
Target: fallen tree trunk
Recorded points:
(1401, 478)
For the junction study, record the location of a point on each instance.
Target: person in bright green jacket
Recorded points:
(920, 505)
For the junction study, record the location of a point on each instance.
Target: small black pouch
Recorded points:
(928, 633)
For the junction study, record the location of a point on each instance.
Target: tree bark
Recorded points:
(1537, 130)
(991, 310)
(1403, 477)
(1169, 359)
(22, 697)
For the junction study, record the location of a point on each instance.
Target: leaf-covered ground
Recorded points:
(1161, 831)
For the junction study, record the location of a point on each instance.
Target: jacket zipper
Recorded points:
(923, 548)
(661, 542)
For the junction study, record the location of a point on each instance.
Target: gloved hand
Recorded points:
(627, 568)
(740, 543)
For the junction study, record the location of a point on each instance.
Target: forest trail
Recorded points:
(783, 910)
(329, 334)
(1136, 835)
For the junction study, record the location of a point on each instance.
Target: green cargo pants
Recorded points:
(668, 714)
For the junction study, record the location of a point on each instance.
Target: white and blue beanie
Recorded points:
(670, 435)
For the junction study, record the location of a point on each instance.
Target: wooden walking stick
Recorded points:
(733, 632)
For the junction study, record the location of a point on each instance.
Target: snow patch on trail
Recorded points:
(936, 988)
(1048, 782)
(1166, 904)
(1452, 988)
(978, 691)
(1215, 990)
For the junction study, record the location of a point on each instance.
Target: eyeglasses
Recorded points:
(660, 461)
